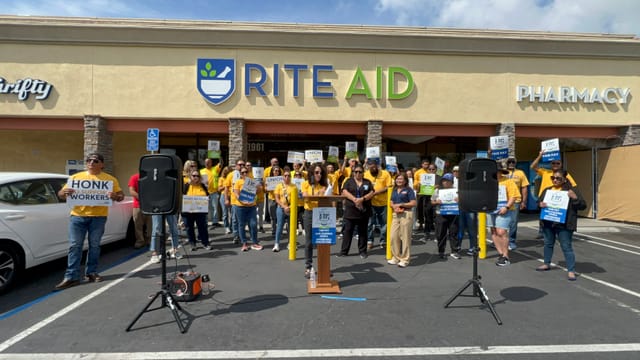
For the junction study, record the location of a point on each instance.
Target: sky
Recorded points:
(586, 16)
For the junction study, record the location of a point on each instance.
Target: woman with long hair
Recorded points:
(403, 200)
(357, 192)
(315, 185)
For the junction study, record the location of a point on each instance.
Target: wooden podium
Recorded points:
(324, 284)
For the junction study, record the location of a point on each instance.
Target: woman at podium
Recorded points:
(315, 185)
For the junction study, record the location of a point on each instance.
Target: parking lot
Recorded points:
(260, 308)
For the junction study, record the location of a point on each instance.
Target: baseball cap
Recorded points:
(447, 176)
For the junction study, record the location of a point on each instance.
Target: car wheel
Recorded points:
(10, 266)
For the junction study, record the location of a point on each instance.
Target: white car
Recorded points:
(34, 222)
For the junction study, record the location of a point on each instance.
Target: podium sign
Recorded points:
(323, 226)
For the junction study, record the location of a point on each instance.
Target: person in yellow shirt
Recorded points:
(282, 194)
(230, 199)
(246, 210)
(210, 175)
(316, 185)
(518, 176)
(500, 220)
(420, 197)
(382, 181)
(272, 204)
(196, 219)
(87, 220)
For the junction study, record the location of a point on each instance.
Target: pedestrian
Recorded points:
(500, 220)
(156, 237)
(272, 204)
(246, 210)
(224, 209)
(87, 221)
(382, 181)
(316, 185)
(522, 183)
(283, 194)
(230, 199)
(210, 176)
(446, 219)
(197, 218)
(141, 222)
(357, 192)
(420, 192)
(561, 230)
(403, 201)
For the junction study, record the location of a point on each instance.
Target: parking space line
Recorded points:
(342, 353)
(20, 336)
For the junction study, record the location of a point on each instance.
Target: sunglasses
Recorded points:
(555, 163)
(93, 161)
(431, 169)
(286, 175)
(240, 164)
(357, 171)
(243, 172)
(195, 175)
(318, 172)
(511, 162)
(557, 178)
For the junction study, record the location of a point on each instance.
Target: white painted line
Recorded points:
(17, 338)
(340, 353)
(607, 240)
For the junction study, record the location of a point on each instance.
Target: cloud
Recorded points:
(612, 16)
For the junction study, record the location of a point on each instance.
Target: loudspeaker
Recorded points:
(160, 185)
(478, 185)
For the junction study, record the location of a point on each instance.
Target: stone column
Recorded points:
(630, 135)
(98, 139)
(237, 140)
(508, 129)
(374, 134)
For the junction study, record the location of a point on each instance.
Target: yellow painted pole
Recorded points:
(482, 235)
(389, 221)
(293, 225)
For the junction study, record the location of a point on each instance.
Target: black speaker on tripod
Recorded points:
(478, 185)
(160, 184)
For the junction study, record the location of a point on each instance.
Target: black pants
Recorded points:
(429, 215)
(349, 226)
(447, 228)
(307, 218)
(420, 210)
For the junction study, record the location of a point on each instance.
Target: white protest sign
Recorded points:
(351, 149)
(332, 156)
(195, 204)
(313, 156)
(89, 192)
(557, 204)
(499, 146)
(551, 150)
(213, 149)
(258, 173)
(440, 166)
(272, 182)
(295, 157)
(449, 204)
(373, 153)
(248, 191)
(391, 164)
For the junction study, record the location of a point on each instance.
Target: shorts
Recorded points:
(501, 221)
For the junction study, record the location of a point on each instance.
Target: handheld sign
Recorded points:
(440, 166)
(294, 157)
(272, 182)
(258, 173)
(449, 204)
(391, 163)
(89, 192)
(499, 147)
(373, 153)
(248, 191)
(502, 198)
(427, 184)
(551, 150)
(313, 156)
(332, 156)
(213, 149)
(557, 205)
(195, 204)
(351, 149)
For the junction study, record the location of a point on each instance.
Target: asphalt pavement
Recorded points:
(260, 307)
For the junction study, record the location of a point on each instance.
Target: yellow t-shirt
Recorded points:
(416, 178)
(520, 179)
(333, 180)
(308, 190)
(512, 190)
(229, 183)
(545, 179)
(380, 182)
(280, 192)
(212, 175)
(93, 210)
(238, 186)
(195, 190)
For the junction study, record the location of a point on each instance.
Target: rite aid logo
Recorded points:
(216, 79)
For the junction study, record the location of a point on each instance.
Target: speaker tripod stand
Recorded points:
(478, 291)
(167, 299)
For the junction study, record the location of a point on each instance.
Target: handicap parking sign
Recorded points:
(153, 139)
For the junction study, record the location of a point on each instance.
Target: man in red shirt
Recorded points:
(140, 220)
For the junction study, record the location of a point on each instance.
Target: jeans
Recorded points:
(282, 219)
(468, 221)
(513, 229)
(247, 215)
(79, 226)
(226, 216)
(273, 212)
(564, 236)
(200, 220)
(234, 220)
(378, 217)
(214, 199)
(156, 220)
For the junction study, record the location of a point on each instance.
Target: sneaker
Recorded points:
(155, 259)
(256, 247)
(512, 247)
(236, 240)
(93, 277)
(471, 251)
(392, 262)
(503, 261)
(363, 256)
(177, 255)
(383, 245)
(403, 264)
(261, 229)
(209, 247)
(228, 231)
(341, 255)
(424, 239)
(245, 247)
(455, 256)
(276, 248)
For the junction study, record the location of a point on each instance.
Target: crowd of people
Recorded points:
(421, 200)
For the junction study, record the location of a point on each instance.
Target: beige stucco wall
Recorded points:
(45, 151)
(154, 82)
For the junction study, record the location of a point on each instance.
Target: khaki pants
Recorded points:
(140, 221)
(401, 236)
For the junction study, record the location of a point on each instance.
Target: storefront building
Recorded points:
(69, 86)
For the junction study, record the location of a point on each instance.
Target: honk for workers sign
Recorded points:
(89, 192)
